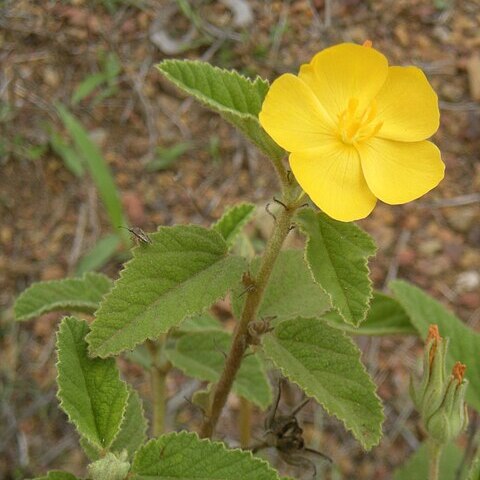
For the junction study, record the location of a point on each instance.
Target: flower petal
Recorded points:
(332, 176)
(340, 73)
(407, 106)
(292, 115)
(398, 172)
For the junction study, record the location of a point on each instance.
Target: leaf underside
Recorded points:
(201, 355)
(233, 220)
(74, 294)
(182, 272)
(337, 253)
(385, 317)
(326, 364)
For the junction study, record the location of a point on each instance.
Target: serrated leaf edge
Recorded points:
(240, 224)
(364, 264)
(132, 391)
(232, 73)
(54, 306)
(94, 351)
(184, 434)
(57, 364)
(371, 382)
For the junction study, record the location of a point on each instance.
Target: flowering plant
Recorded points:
(356, 130)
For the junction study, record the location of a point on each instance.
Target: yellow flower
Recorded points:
(356, 130)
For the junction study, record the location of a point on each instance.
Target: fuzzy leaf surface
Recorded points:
(235, 97)
(337, 253)
(416, 467)
(464, 344)
(89, 389)
(182, 272)
(75, 294)
(133, 430)
(326, 364)
(385, 317)
(233, 220)
(291, 291)
(200, 323)
(199, 355)
(184, 456)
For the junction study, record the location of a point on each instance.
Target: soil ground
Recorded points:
(50, 218)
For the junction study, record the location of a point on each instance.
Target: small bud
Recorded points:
(451, 418)
(110, 467)
(428, 395)
(440, 401)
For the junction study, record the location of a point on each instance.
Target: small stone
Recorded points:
(467, 281)
(430, 247)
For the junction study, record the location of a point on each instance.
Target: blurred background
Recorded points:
(78, 78)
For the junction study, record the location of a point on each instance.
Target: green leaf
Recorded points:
(416, 467)
(233, 220)
(291, 291)
(89, 389)
(199, 355)
(166, 157)
(182, 272)
(99, 255)
(57, 475)
(184, 456)
(235, 97)
(133, 430)
(88, 86)
(385, 317)
(326, 364)
(200, 323)
(74, 294)
(70, 157)
(464, 344)
(474, 471)
(97, 167)
(337, 254)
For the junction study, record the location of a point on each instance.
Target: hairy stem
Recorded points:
(435, 452)
(158, 375)
(255, 290)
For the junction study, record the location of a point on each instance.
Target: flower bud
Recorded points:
(110, 467)
(451, 418)
(428, 395)
(440, 400)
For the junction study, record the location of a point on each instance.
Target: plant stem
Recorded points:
(435, 452)
(255, 289)
(158, 375)
(245, 421)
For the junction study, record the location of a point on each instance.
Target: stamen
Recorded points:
(367, 44)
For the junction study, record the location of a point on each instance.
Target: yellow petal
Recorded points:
(332, 176)
(398, 172)
(292, 115)
(407, 106)
(340, 73)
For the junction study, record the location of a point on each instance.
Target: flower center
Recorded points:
(355, 126)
